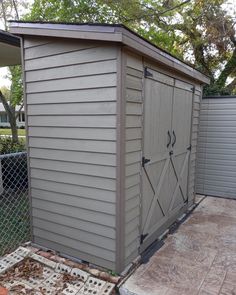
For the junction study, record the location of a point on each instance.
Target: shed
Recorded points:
(216, 161)
(112, 127)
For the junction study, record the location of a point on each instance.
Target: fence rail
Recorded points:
(14, 202)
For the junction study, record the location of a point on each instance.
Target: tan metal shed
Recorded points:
(112, 129)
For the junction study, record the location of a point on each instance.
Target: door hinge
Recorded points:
(147, 73)
(142, 238)
(189, 148)
(193, 89)
(145, 161)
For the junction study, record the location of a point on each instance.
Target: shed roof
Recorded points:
(107, 32)
(9, 49)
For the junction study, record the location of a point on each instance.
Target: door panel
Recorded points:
(181, 128)
(165, 175)
(155, 183)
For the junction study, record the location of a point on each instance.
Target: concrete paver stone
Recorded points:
(198, 259)
(25, 272)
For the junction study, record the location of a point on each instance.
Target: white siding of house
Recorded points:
(71, 107)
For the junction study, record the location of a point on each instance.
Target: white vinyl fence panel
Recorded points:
(216, 152)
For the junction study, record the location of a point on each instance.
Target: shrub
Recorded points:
(8, 147)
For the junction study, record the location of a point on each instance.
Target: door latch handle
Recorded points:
(174, 142)
(169, 139)
(145, 161)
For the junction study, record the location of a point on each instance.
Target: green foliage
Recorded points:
(6, 92)
(8, 147)
(199, 31)
(16, 91)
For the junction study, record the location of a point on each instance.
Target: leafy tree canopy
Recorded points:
(201, 32)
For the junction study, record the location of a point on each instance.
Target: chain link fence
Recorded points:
(14, 202)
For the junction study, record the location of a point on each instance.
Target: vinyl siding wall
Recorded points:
(71, 106)
(216, 152)
(133, 149)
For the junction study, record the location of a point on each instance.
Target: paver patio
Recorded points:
(199, 258)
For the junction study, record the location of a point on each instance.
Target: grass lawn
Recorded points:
(14, 221)
(6, 131)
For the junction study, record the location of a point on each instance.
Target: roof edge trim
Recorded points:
(110, 33)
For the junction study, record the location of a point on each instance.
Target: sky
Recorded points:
(230, 6)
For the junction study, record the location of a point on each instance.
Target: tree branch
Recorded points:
(7, 107)
(18, 112)
(228, 69)
(231, 86)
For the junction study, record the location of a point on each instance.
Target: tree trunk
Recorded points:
(10, 110)
(14, 130)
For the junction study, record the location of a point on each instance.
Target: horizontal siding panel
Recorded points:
(215, 158)
(132, 180)
(132, 192)
(133, 121)
(131, 237)
(56, 47)
(76, 212)
(70, 58)
(222, 180)
(74, 144)
(223, 146)
(66, 250)
(133, 133)
(224, 170)
(74, 190)
(133, 145)
(72, 222)
(133, 148)
(217, 139)
(134, 62)
(84, 247)
(81, 180)
(215, 123)
(217, 133)
(216, 151)
(131, 214)
(133, 169)
(133, 225)
(97, 108)
(132, 250)
(95, 68)
(132, 203)
(75, 234)
(134, 72)
(105, 80)
(36, 41)
(77, 168)
(73, 121)
(133, 83)
(133, 157)
(73, 133)
(73, 96)
(218, 107)
(75, 201)
(133, 108)
(133, 95)
(73, 156)
(214, 190)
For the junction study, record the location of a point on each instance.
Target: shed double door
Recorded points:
(166, 150)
